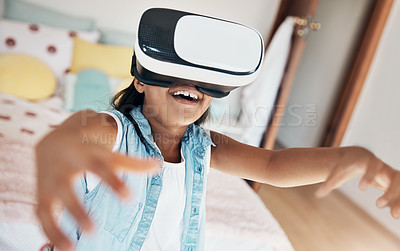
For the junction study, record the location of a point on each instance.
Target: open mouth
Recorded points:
(186, 95)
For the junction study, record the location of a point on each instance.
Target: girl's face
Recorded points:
(180, 105)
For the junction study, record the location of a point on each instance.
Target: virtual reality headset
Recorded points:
(215, 55)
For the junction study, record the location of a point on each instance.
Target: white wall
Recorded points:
(123, 15)
(376, 118)
(321, 71)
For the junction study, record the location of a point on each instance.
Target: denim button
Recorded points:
(195, 210)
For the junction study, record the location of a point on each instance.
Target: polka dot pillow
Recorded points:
(53, 46)
(27, 122)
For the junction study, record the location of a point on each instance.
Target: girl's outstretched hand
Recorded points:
(60, 157)
(359, 161)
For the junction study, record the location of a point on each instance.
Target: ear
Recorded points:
(139, 86)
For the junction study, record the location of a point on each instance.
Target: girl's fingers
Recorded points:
(150, 166)
(396, 209)
(104, 164)
(369, 176)
(391, 198)
(335, 179)
(75, 208)
(50, 228)
(392, 194)
(119, 161)
(101, 165)
(105, 172)
(378, 185)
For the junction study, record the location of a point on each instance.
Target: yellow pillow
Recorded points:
(111, 59)
(26, 77)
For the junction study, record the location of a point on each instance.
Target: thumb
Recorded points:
(335, 179)
(149, 166)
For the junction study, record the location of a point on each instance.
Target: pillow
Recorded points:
(1, 8)
(114, 37)
(91, 89)
(53, 46)
(258, 99)
(26, 121)
(227, 107)
(32, 13)
(224, 113)
(26, 77)
(22, 125)
(112, 60)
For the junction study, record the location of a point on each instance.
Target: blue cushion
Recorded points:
(115, 37)
(32, 13)
(91, 88)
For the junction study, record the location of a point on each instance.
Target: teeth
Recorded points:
(187, 94)
(192, 95)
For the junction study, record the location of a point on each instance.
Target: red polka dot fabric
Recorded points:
(34, 27)
(10, 42)
(22, 124)
(26, 121)
(72, 34)
(51, 49)
(53, 46)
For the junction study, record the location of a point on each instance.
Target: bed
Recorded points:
(66, 78)
(237, 219)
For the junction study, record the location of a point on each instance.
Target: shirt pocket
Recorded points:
(114, 215)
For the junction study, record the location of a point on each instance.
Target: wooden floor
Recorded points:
(330, 224)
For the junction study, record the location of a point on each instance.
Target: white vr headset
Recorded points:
(215, 55)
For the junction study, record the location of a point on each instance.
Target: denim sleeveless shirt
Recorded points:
(124, 225)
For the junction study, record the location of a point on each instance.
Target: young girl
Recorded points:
(161, 170)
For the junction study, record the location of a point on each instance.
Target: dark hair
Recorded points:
(129, 98)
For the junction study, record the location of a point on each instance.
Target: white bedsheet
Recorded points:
(237, 219)
(21, 237)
